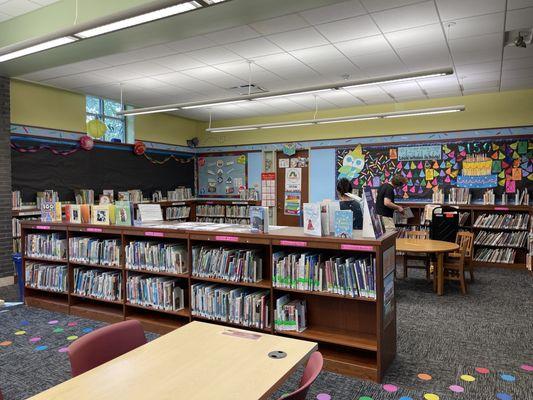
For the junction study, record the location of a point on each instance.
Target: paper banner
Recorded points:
(292, 204)
(293, 179)
(510, 186)
(429, 152)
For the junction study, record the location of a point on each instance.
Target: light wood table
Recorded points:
(198, 361)
(437, 247)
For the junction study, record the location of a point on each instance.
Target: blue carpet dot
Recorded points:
(24, 323)
(507, 377)
(41, 348)
(406, 398)
(504, 396)
(87, 330)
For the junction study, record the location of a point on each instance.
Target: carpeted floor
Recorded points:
(443, 337)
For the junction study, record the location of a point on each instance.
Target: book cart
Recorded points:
(472, 213)
(356, 335)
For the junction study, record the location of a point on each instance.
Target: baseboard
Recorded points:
(6, 281)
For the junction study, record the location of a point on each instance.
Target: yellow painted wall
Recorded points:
(165, 128)
(491, 110)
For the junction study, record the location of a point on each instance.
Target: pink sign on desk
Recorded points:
(94, 230)
(356, 247)
(227, 238)
(44, 227)
(292, 243)
(154, 234)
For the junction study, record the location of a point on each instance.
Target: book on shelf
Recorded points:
(343, 227)
(503, 239)
(48, 196)
(236, 265)
(157, 196)
(503, 221)
(123, 213)
(521, 197)
(92, 250)
(459, 196)
(327, 216)
(102, 214)
(123, 196)
(182, 212)
(51, 246)
(437, 197)
(235, 211)
(157, 292)
(290, 315)
(46, 276)
(463, 218)
(489, 198)
(105, 285)
(241, 306)
(312, 219)
(85, 212)
(150, 212)
(179, 194)
(495, 255)
(345, 276)
(16, 199)
(249, 194)
(259, 219)
(210, 210)
(135, 196)
(84, 196)
(51, 211)
(156, 256)
(109, 193)
(104, 199)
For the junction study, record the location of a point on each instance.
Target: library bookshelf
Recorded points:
(356, 335)
(472, 212)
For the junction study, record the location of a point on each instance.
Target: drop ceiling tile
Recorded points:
(186, 82)
(88, 65)
(477, 49)
(80, 80)
(439, 84)
(233, 34)
(416, 36)
(280, 24)
(518, 73)
(435, 55)
(179, 62)
(241, 70)
(447, 93)
(454, 9)
(377, 62)
(517, 19)
(254, 48)
(214, 55)
(334, 12)
(514, 4)
(148, 68)
(517, 83)
(368, 45)
(404, 98)
(18, 7)
(326, 60)
(285, 66)
(517, 52)
(299, 39)
(347, 29)
(145, 83)
(380, 5)
(118, 73)
(340, 98)
(44, 2)
(469, 69)
(214, 77)
(402, 89)
(474, 26)
(308, 101)
(481, 89)
(406, 17)
(483, 77)
(146, 53)
(4, 17)
(368, 92)
(189, 44)
(518, 63)
(475, 84)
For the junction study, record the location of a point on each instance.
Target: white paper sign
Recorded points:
(293, 179)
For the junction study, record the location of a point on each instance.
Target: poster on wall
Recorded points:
(292, 203)
(293, 179)
(268, 189)
(221, 176)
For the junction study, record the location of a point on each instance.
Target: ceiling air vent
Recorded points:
(247, 89)
(519, 37)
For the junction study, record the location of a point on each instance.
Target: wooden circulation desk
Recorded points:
(356, 335)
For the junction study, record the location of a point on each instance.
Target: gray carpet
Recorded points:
(444, 337)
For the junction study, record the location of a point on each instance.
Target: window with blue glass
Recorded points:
(106, 111)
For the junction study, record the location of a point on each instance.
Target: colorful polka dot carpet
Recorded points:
(472, 347)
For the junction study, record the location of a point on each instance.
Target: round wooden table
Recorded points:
(437, 247)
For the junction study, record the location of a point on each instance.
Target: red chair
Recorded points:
(312, 369)
(104, 344)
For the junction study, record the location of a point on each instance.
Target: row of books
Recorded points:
(521, 197)
(290, 315)
(84, 196)
(96, 283)
(47, 276)
(156, 292)
(463, 218)
(249, 194)
(158, 257)
(459, 196)
(15, 227)
(505, 255)
(210, 210)
(503, 239)
(177, 213)
(133, 196)
(46, 196)
(502, 221)
(52, 246)
(236, 265)
(179, 194)
(216, 220)
(237, 211)
(237, 221)
(16, 199)
(346, 276)
(92, 250)
(241, 306)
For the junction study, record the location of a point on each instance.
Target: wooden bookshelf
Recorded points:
(357, 335)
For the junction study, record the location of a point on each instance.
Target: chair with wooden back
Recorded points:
(454, 267)
(417, 256)
(466, 239)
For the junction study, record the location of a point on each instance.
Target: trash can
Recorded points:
(17, 260)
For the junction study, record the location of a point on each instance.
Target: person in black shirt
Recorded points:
(347, 203)
(385, 201)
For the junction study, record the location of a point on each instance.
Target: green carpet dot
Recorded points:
(58, 330)
(365, 398)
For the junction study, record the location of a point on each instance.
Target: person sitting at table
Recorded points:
(344, 186)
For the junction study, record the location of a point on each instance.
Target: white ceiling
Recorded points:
(359, 38)
(13, 8)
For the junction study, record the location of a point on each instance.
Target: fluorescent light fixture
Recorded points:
(277, 96)
(214, 104)
(393, 80)
(139, 19)
(394, 114)
(151, 111)
(37, 48)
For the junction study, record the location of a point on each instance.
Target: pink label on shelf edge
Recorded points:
(227, 238)
(45, 227)
(357, 247)
(501, 208)
(154, 234)
(94, 230)
(292, 243)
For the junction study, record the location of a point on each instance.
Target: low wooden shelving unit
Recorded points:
(356, 335)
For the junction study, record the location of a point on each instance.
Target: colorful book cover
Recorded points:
(344, 224)
(259, 219)
(312, 220)
(48, 211)
(75, 213)
(85, 212)
(123, 213)
(100, 215)
(58, 217)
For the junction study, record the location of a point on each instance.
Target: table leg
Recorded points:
(440, 271)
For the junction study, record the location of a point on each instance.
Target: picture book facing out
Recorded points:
(327, 214)
(312, 219)
(259, 219)
(51, 211)
(123, 213)
(344, 224)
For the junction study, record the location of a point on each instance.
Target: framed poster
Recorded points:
(222, 175)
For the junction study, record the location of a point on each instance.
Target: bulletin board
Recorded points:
(503, 165)
(222, 175)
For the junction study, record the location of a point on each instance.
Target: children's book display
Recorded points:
(259, 219)
(327, 216)
(344, 224)
(123, 213)
(150, 212)
(290, 315)
(51, 211)
(372, 224)
(312, 219)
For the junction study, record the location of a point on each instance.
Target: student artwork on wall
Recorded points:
(221, 175)
(505, 165)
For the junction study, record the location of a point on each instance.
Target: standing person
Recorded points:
(385, 201)
(347, 203)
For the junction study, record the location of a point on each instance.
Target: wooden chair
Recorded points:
(417, 256)
(466, 239)
(454, 267)
(312, 369)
